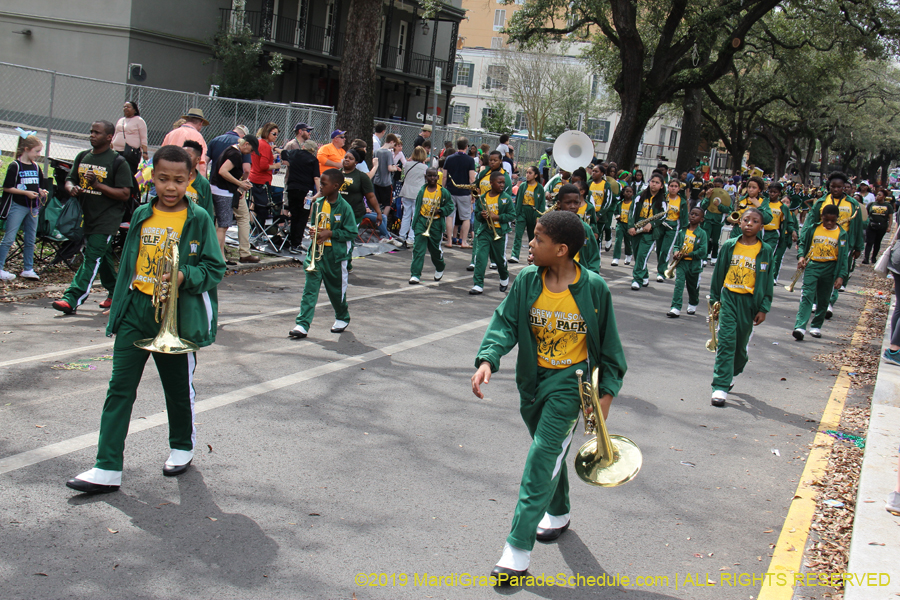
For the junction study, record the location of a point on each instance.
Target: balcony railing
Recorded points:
(328, 42)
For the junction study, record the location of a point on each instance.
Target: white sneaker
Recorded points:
(815, 332)
(6, 276)
(438, 275)
(514, 558)
(339, 326)
(493, 265)
(673, 313)
(178, 458)
(660, 279)
(719, 397)
(29, 274)
(829, 312)
(476, 289)
(297, 332)
(608, 244)
(614, 262)
(646, 282)
(627, 260)
(893, 503)
(635, 285)
(397, 243)
(843, 288)
(712, 261)
(704, 264)
(413, 280)
(101, 477)
(513, 259)
(691, 309)
(799, 334)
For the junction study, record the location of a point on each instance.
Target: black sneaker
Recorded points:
(295, 250)
(230, 262)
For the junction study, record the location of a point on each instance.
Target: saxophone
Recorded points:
(640, 224)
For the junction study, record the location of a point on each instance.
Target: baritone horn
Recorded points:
(316, 249)
(165, 302)
(604, 460)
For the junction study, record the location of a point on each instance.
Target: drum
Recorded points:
(726, 234)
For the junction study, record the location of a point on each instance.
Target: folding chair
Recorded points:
(269, 238)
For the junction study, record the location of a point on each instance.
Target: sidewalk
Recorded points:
(875, 545)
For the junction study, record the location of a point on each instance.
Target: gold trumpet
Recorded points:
(669, 273)
(165, 303)
(434, 204)
(712, 318)
(317, 249)
(790, 287)
(604, 460)
(490, 222)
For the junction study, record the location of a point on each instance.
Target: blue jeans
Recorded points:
(381, 229)
(20, 217)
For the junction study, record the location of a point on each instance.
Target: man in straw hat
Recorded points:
(194, 122)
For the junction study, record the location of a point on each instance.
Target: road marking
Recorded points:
(16, 361)
(32, 457)
(787, 556)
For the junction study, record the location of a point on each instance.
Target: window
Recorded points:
(465, 72)
(521, 121)
(673, 138)
(497, 77)
(499, 19)
(662, 136)
(496, 43)
(460, 115)
(598, 129)
(595, 87)
(486, 113)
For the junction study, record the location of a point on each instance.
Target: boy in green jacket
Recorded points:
(676, 219)
(742, 286)
(850, 220)
(622, 212)
(483, 181)
(530, 203)
(561, 317)
(432, 205)
(334, 229)
(496, 209)
(569, 199)
(201, 268)
(824, 269)
(690, 247)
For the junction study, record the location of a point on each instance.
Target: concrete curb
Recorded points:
(875, 544)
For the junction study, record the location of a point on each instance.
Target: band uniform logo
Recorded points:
(99, 172)
(557, 334)
(151, 253)
(195, 247)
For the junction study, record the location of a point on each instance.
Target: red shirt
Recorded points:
(259, 164)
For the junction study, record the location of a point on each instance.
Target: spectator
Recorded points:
(865, 191)
(448, 149)
(505, 153)
(190, 130)
(413, 180)
(262, 164)
(302, 132)
(459, 168)
(214, 152)
(24, 188)
(545, 165)
(879, 224)
(384, 168)
(101, 180)
(378, 136)
(331, 156)
(361, 147)
(130, 139)
(302, 178)
(359, 192)
(228, 185)
(423, 135)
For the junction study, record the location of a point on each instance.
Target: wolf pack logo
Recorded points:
(557, 334)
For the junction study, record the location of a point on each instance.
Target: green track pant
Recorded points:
(622, 237)
(779, 256)
(687, 274)
(486, 247)
(98, 260)
(713, 230)
(818, 285)
(433, 245)
(176, 372)
(643, 245)
(334, 275)
(551, 417)
(525, 223)
(735, 329)
(662, 250)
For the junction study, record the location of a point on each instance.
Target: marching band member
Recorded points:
(690, 248)
(752, 199)
(604, 201)
(333, 233)
(622, 212)
(675, 220)
(742, 284)
(530, 202)
(497, 211)
(824, 269)
(570, 199)
(650, 203)
(483, 181)
(551, 348)
(850, 220)
(713, 219)
(432, 205)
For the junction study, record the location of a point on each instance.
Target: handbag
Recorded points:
(884, 261)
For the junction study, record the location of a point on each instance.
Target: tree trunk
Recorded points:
(690, 130)
(356, 97)
(824, 145)
(636, 113)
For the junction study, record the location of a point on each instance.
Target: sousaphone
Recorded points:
(573, 149)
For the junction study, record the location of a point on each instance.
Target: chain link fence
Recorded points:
(61, 108)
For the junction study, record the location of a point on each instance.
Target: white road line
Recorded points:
(32, 457)
(16, 361)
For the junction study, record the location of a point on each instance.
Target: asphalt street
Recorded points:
(367, 453)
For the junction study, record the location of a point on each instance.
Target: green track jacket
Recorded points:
(540, 197)
(762, 291)
(507, 188)
(657, 228)
(843, 266)
(509, 326)
(344, 228)
(200, 259)
(420, 223)
(589, 255)
(700, 246)
(506, 205)
(854, 233)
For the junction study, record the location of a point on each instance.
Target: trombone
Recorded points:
(317, 249)
(799, 273)
(604, 460)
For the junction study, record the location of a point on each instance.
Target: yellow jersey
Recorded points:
(493, 205)
(598, 191)
(673, 212)
(326, 209)
(777, 208)
(825, 244)
(559, 329)
(741, 276)
(845, 208)
(625, 211)
(690, 241)
(528, 197)
(431, 202)
(153, 235)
